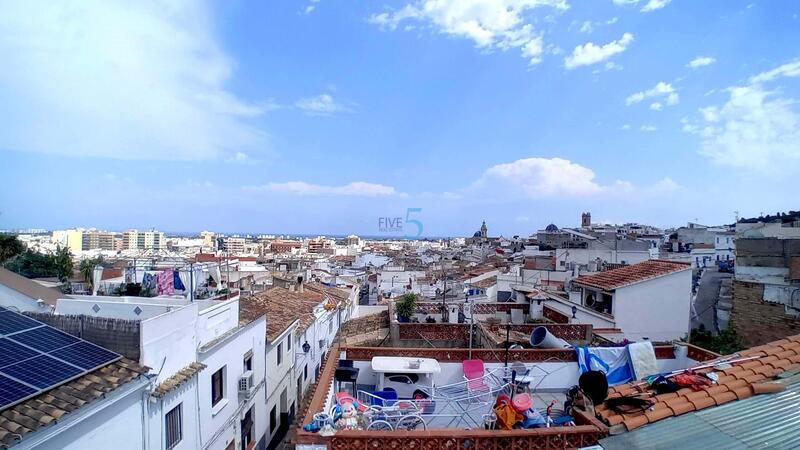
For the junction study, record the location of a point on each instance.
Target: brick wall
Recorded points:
(435, 331)
(117, 335)
(367, 329)
(756, 321)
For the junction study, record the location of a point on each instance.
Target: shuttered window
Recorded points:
(173, 422)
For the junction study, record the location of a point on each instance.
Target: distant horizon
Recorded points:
(520, 113)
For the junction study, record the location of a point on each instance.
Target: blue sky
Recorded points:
(322, 116)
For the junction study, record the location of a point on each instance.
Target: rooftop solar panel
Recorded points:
(11, 322)
(12, 391)
(84, 355)
(42, 371)
(44, 339)
(35, 357)
(11, 352)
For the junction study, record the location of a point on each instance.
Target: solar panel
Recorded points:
(11, 352)
(11, 322)
(44, 339)
(35, 357)
(12, 391)
(84, 354)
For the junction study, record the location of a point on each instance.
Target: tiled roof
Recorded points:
(623, 276)
(338, 294)
(177, 380)
(29, 287)
(485, 283)
(50, 406)
(282, 307)
(741, 380)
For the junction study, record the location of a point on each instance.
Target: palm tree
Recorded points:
(87, 270)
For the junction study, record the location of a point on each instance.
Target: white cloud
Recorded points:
(321, 105)
(665, 185)
(660, 90)
(490, 24)
(755, 128)
(542, 177)
(588, 26)
(125, 80)
(354, 189)
(648, 128)
(791, 69)
(591, 53)
(653, 5)
(656, 106)
(701, 61)
(625, 127)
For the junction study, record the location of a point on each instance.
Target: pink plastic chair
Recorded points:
(473, 373)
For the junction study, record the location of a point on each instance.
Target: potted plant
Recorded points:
(406, 306)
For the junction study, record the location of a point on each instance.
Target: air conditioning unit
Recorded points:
(246, 382)
(322, 343)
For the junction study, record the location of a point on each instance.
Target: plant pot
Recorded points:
(403, 319)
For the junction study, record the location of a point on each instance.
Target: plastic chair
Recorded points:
(473, 373)
(386, 397)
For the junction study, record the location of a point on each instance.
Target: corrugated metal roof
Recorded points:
(764, 421)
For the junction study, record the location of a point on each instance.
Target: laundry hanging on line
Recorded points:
(164, 281)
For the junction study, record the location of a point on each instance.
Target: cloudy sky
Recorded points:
(320, 116)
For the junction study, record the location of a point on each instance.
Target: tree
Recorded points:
(31, 264)
(63, 263)
(10, 246)
(406, 305)
(87, 266)
(725, 343)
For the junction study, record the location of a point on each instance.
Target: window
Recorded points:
(289, 343)
(280, 354)
(247, 430)
(273, 419)
(330, 326)
(218, 386)
(248, 361)
(305, 372)
(173, 423)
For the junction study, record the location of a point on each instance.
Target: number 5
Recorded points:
(414, 221)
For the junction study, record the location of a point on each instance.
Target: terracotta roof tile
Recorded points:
(178, 379)
(48, 407)
(623, 276)
(724, 397)
(282, 308)
(743, 392)
(740, 381)
(681, 408)
(703, 402)
(635, 422)
(658, 414)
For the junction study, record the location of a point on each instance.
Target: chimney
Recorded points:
(300, 284)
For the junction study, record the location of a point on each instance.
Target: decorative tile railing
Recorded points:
(447, 439)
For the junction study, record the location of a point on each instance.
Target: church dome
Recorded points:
(551, 227)
(477, 234)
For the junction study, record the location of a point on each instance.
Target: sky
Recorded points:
(323, 117)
